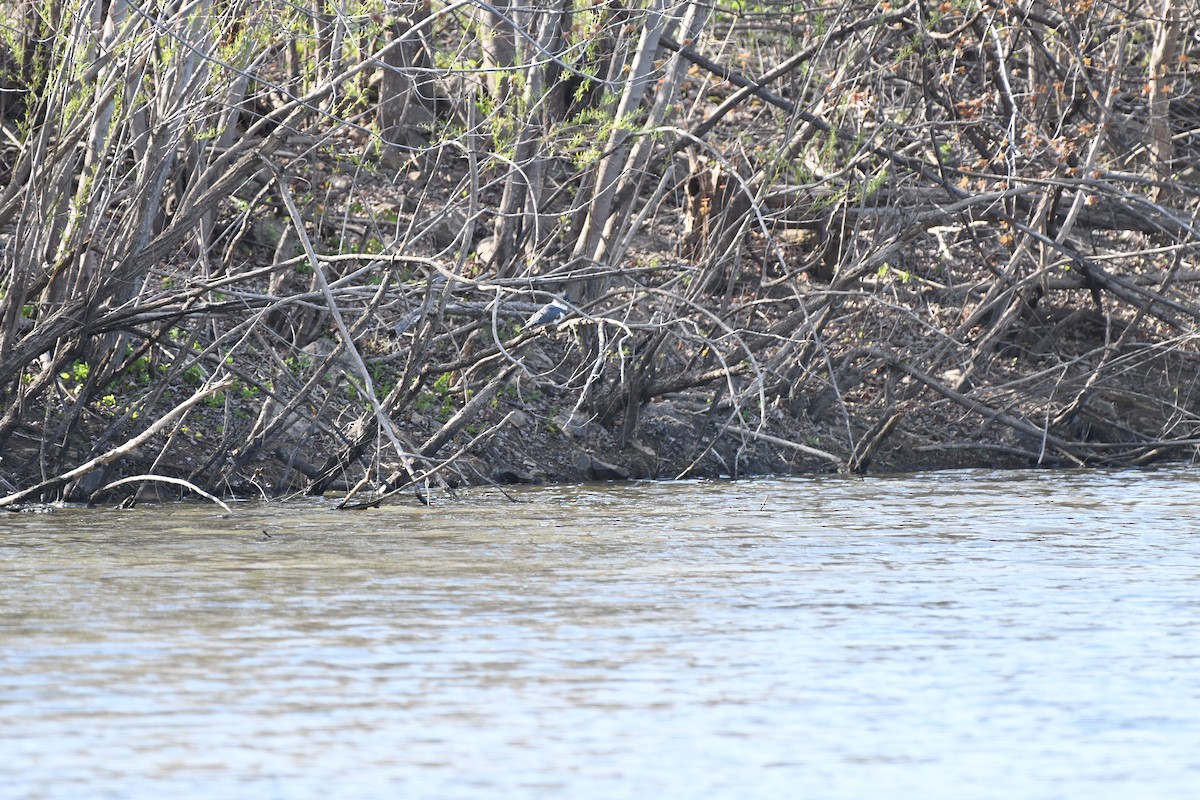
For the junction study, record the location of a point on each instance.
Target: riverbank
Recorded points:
(527, 424)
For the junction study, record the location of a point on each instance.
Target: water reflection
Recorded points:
(951, 635)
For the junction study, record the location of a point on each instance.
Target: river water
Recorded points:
(951, 635)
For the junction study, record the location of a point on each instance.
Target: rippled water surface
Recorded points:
(954, 635)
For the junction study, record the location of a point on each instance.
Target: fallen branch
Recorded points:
(164, 479)
(861, 458)
(482, 398)
(799, 448)
(402, 447)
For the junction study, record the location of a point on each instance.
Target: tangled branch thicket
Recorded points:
(272, 247)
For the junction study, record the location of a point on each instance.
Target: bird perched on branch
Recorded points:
(548, 314)
(413, 317)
